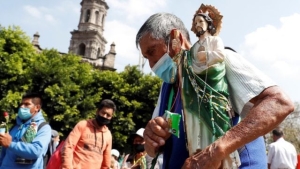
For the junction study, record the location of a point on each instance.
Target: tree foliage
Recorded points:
(16, 57)
(291, 128)
(71, 89)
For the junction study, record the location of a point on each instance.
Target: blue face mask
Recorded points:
(166, 68)
(24, 113)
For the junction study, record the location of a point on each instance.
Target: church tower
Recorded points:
(88, 40)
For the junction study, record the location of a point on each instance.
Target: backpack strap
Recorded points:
(39, 127)
(42, 125)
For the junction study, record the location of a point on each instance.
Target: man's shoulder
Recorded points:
(272, 145)
(43, 123)
(106, 130)
(44, 127)
(289, 144)
(83, 122)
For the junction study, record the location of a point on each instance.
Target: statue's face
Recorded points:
(200, 23)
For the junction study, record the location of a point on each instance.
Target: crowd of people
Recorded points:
(225, 104)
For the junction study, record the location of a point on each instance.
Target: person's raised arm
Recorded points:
(34, 149)
(70, 144)
(270, 108)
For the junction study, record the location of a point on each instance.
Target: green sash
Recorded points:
(205, 95)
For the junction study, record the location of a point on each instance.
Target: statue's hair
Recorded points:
(160, 25)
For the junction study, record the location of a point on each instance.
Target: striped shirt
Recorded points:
(245, 82)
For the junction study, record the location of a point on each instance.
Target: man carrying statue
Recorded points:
(197, 87)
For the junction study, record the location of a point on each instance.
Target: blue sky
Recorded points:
(265, 32)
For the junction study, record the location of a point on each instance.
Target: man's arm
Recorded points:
(34, 149)
(270, 108)
(70, 143)
(271, 152)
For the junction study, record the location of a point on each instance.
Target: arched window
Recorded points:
(98, 53)
(103, 20)
(82, 49)
(97, 17)
(87, 15)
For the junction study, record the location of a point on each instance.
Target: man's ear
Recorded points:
(38, 107)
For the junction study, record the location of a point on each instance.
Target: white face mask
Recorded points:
(56, 143)
(166, 68)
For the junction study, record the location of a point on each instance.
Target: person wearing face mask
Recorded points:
(89, 143)
(54, 141)
(204, 70)
(138, 159)
(52, 146)
(20, 151)
(259, 104)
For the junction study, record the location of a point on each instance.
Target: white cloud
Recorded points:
(270, 43)
(53, 14)
(41, 13)
(49, 18)
(275, 50)
(68, 6)
(274, 46)
(284, 69)
(134, 9)
(33, 11)
(124, 37)
(123, 33)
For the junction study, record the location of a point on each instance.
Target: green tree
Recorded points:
(71, 88)
(135, 95)
(16, 57)
(291, 128)
(64, 82)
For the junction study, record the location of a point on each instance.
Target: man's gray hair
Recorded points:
(160, 26)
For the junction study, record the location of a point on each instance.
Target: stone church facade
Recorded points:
(88, 40)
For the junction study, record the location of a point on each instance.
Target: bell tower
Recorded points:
(88, 41)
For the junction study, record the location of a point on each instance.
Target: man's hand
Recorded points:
(5, 140)
(208, 158)
(155, 134)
